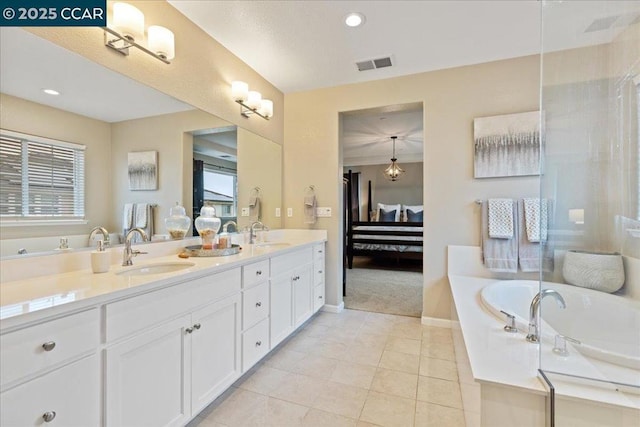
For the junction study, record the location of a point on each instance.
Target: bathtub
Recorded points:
(606, 325)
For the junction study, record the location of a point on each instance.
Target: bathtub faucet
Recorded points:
(534, 312)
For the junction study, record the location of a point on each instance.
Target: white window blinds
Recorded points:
(40, 178)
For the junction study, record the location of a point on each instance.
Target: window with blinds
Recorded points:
(40, 178)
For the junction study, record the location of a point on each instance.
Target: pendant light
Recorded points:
(393, 172)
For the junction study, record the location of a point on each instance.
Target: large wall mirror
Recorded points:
(114, 116)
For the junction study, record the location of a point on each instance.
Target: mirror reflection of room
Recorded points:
(383, 217)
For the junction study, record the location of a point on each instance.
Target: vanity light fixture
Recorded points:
(250, 101)
(127, 30)
(393, 172)
(51, 91)
(354, 19)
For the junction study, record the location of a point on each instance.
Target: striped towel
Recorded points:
(501, 222)
(535, 219)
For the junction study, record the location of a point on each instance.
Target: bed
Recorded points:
(386, 238)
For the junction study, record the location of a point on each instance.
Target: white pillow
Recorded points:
(388, 208)
(414, 209)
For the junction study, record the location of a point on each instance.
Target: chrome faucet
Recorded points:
(534, 312)
(105, 235)
(128, 252)
(227, 224)
(252, 233)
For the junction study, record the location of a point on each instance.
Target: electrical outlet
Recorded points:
(323, 212)
(244, 212)
(289, 212)
(277, 212)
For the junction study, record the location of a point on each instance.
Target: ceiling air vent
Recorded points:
(372, 64)
(602, 24)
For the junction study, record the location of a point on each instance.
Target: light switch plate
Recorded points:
(278, 212)
(323, 212)
(289, 212)
(244, 212)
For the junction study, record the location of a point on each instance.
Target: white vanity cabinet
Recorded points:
(51, 373)
(291, 293)
(163, 375)
(318, 276)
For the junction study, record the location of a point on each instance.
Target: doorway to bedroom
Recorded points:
(382, 152)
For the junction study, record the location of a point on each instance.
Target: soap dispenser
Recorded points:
(100, 259)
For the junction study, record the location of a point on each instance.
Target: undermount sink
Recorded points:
(271, 245)
(160, 268)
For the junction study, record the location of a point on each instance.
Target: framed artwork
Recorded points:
(507, 145)
(143, 170)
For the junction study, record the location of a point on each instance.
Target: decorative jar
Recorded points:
(207, 225)
(178, 222)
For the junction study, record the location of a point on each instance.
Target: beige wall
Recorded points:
(169, 135)
(260, 165)
(200, 75)
(451, 99)
(19, 115)
(406, 191)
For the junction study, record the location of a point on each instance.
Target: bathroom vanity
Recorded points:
(129, 347)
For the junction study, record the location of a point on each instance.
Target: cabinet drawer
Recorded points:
(282, 263)
(255, 305)
(137, 313)
(69, 396)
(318, 297)
(318, 273)
(38, 347)
(255, 344)
(255, 273)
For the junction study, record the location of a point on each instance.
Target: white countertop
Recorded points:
(38, 296)
(506, 359)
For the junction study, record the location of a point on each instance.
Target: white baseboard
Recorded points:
(333, 308)
(439, 323)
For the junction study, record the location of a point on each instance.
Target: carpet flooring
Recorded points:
(381, 289)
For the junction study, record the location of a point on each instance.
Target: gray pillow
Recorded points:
(387, 216)
(414, 216)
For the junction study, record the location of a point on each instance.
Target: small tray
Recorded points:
(197, 251)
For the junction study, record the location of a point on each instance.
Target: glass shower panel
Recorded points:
(590, 98)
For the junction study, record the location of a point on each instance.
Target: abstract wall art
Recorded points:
(143, 170)
(507, 145)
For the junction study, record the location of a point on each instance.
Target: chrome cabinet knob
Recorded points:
(258, 343)
(197, 326)
(49, 416)
(48, 346)
(258, 304)
(320, 271)
(189, 330)
(259, 273)
(320, 297)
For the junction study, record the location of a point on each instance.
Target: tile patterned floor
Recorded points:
(354, 369)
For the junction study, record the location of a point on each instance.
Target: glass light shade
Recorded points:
(239, 91)
(161, 41)
(266, 108)
(393, 172)
(128, 21)
(178, 222)
(254, 100)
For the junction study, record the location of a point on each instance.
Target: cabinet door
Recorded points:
(302, 295)
(69, 396)
(281, 309)
(215, 350)
(147, 377)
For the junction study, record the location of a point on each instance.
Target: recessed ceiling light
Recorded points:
(51, 92)
(354, 19)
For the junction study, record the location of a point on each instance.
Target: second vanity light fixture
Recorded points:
(127, 30)
(250, 101)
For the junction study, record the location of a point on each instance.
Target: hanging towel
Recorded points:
(500, 255)
(535, 219)
(254, 208)
(310, 209)
(530, 253)
(501, 218)
(127, 220)
(142, 215)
